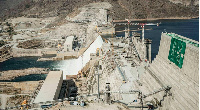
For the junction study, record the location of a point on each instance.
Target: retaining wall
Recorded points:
(19, 52)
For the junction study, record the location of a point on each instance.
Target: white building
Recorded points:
(68, 43)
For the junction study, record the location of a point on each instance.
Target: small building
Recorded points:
(53, 43)
(69, 44)
(50, 90)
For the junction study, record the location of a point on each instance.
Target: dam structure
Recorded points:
(170, 82)
(176, 66)
(121, 71)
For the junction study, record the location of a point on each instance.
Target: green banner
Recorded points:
(182, 39)
(177, 51)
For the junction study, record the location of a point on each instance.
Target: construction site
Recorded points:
(99, 72)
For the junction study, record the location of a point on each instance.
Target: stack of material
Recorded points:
(31, 44)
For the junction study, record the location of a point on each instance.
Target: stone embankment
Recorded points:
(11, 74)
(5, 53)
(26, 90)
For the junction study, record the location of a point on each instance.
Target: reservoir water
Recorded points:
(187, 28)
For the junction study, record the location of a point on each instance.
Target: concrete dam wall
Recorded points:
(177, 66)
(72, 66)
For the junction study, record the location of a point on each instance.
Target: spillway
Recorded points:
(72, 66)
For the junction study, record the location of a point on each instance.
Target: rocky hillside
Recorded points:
(142, 9)
(186, 2)
(137, 9)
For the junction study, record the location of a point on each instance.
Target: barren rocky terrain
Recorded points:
(121, 9)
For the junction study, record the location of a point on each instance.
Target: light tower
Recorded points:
(143, 41)
(127, 32)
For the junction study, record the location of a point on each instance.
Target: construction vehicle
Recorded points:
(24, 102)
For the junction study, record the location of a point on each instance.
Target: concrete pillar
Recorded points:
(147, 43)
(113, 30)
(126, 33)
(107, 95)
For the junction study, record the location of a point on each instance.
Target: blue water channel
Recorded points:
(187, 28)
(27, 62)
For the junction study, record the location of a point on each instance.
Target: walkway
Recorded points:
(131, 74)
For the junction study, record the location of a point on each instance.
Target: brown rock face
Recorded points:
(134, 9)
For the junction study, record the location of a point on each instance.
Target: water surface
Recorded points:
(188, 28)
